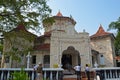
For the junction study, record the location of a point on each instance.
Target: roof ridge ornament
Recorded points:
(71, 16)
(100, 30)
(59, 13)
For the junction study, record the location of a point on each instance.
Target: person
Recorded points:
(38, 70)
(87, 70)
(98, 76)
(78, 71)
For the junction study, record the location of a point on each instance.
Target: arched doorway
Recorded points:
(70, 57)
(66, 60)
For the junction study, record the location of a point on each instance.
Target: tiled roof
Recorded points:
(117, 58)
(42, 47)
(59, 14)
(47, 34)
(61, 17)
(21, 27)
(100, 33)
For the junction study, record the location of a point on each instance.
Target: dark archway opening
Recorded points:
(66, 60)
(70, 58)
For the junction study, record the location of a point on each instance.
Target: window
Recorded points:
(47, 61)
(102, 60)
(34, 59)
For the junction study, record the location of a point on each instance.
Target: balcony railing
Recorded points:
(48, 73)
(110, 73)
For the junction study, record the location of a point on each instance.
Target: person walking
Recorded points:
(78, 71)
(39, 71)
(87, 70)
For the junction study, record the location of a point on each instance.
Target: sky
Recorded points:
(88, 14)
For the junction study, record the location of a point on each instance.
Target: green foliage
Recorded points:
(20, 43)
(116, 25)
(28, 12)
(1, 47)
(22, 75)
(48, 21)
(46, 79)
(117, 43)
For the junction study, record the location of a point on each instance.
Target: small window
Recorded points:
(46, 59)
(101, 55)
(102, 61)
(34, 59)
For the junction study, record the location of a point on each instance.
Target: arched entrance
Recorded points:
(70, 57)
(66, 60)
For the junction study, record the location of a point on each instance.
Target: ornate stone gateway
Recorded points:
(70, 58)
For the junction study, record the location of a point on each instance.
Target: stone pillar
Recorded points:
(28, 59)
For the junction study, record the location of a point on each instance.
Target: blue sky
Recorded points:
(88, 14)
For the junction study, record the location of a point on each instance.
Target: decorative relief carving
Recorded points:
(71, 41)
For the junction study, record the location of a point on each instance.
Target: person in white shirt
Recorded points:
(78, 71)
(87, 70)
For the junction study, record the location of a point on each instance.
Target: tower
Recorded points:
(66, 44)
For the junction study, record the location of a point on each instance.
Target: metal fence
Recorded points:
(48, 73)
(108, 73)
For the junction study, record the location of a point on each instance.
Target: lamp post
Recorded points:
(28, 59)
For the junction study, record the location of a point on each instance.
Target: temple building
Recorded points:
(61, 45)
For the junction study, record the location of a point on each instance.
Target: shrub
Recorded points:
(22, 75)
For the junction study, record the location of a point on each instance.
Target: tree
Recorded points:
(22, 75)
(1, 44)
(28, 12)
(116, 25)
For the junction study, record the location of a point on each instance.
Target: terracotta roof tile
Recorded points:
(61, 17)
(117, 58)
(101, 32)
(47, 34)
(59, 14)
(21, 27)
(42, 47)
